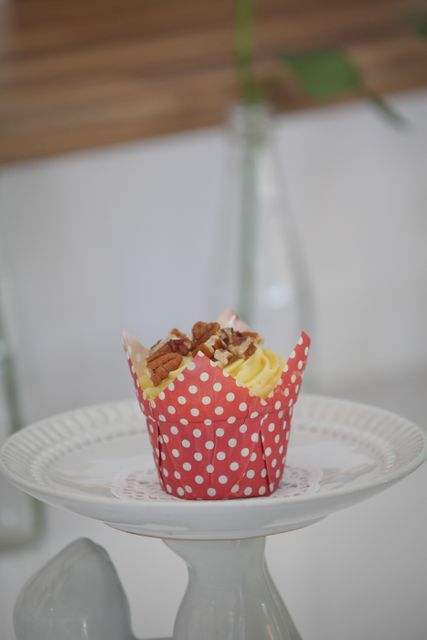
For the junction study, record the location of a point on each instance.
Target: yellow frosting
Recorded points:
(259, 373)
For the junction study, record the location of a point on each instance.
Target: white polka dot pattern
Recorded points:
(230, 446)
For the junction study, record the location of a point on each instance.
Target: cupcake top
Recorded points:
(235, 348)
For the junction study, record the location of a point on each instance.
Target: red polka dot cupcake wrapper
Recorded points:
(211, 438)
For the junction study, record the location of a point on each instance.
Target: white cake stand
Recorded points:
(96, 462)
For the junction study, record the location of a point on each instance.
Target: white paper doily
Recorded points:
(142, 484)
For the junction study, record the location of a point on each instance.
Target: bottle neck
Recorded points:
(250, 123)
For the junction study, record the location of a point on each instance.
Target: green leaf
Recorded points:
(323, 74)
(419, 24)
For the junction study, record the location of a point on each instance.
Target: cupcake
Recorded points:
(218, 406)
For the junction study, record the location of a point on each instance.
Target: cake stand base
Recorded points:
(230, 596)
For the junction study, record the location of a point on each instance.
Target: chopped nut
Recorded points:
(202, 332)
(160, 365)
(252, 334)
(222, 344)
(250, 350)
(181, 342)
(175, 342)
(204, 349)
(167, 355)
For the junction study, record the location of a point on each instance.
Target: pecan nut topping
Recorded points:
(203, 333)
(161, 365)
(167, 355)
(223, 345)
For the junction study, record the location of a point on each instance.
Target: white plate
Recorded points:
(79, 461)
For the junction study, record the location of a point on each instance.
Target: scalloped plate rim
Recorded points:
(125, 504)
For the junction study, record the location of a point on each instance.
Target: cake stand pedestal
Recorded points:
(97, 462)
(230, 593)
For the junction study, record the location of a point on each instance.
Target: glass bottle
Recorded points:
(271, 285)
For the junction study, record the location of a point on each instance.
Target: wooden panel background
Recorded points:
(81, 73)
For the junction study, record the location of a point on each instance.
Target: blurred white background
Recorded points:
(128, 237)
